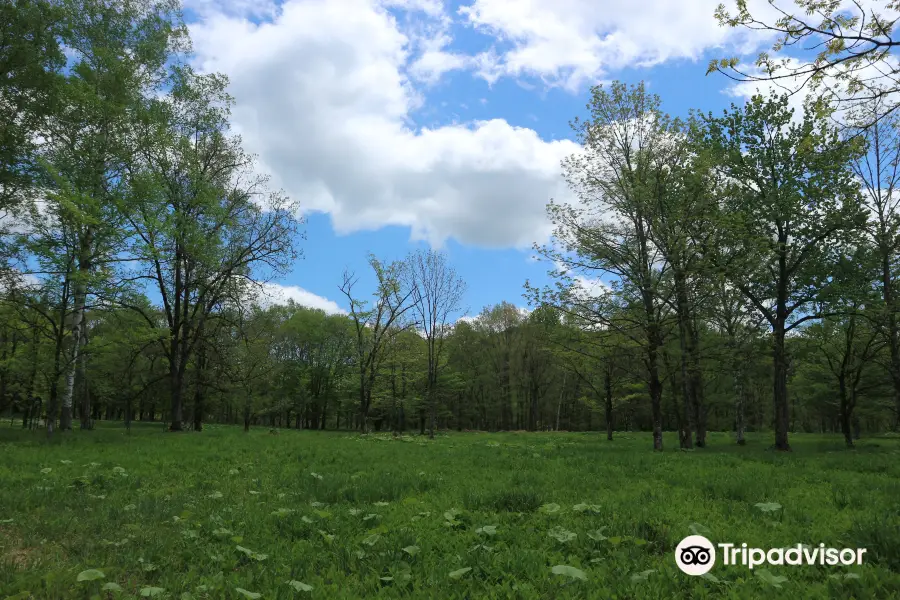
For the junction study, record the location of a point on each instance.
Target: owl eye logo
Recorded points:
(695, 555)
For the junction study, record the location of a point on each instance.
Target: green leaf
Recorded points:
(768, 507)
(299, 586)
(597, 535)
(328, 537)
(698, 529)
(451, 514)
(90, 575)
(711, 577)
(149, 592)
(773, 580)
(642, 576)
(458, 574)
(550, 508)
(251, 553)
(248, 593)
(282, 512)
(562, 534)
(111, 586)
(568, 571)
(487, 530)
(412, 550)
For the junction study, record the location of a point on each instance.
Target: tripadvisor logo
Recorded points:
(696, 555)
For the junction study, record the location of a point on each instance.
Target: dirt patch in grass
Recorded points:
(13, 551)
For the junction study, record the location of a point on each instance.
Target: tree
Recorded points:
(789, 209)
(850, 48)
(204, 225)
(118, 53)
(733, 315)
(848, 344)
(500, 326)
(436, 293)
(250, 366)
(375, 326)
(30, 61)
(875, 125)
(626, 144)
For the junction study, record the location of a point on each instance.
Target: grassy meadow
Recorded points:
(223, 514)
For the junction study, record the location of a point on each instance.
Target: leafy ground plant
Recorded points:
(229, 515)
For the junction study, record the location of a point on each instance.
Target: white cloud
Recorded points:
(275, 293)
(570, 42)
(322, 98)
(434, 62)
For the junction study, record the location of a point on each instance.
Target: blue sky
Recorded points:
(400, 124)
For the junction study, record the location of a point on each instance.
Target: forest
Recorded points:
(732, 272)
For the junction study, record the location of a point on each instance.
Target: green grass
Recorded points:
(356, 517)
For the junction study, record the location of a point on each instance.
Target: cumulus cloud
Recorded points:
(275, 293)
(435, 61)
(323, 99)
(571, 42)
(327, 93)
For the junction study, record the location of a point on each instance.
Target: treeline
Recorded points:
(727, 273)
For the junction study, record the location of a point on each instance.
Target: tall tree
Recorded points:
(204, 225)
(437, 293)
(500, 325)
(789, 209)
(30, 61)
(878, 168)
(626, 143)
(376, 323)
(118, 54)
(739, 323)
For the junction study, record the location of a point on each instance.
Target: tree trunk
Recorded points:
(53, 400)
(432, 403)
(198, 407)
(176, 387)
(86, 422)
(739, 409)
(780, 396)
(655, 387)
(845, 410)
(247, 413)
(687, 380)
(607, 387)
